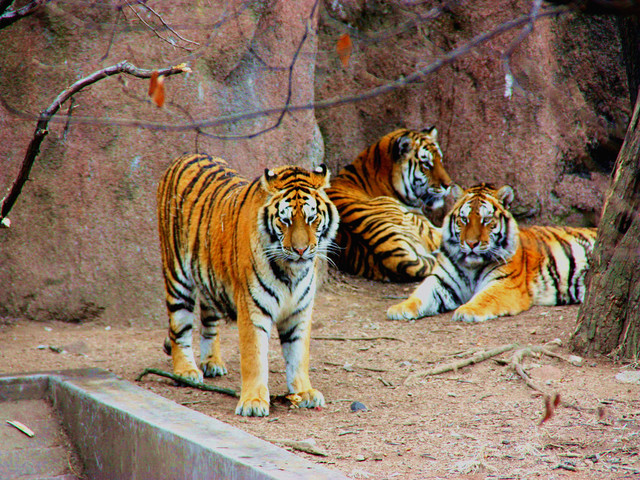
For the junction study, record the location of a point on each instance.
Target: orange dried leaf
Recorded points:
(344, 47)
(153, 82)
(550, 406)
(156, 89)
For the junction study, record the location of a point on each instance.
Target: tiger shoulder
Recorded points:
(382, 197)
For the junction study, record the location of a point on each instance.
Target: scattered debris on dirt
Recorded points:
(480, 419)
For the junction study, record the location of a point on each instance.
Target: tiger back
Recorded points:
(246, 251)
(489, 267)
(382, 197)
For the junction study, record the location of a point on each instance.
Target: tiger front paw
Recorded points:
(468, 315)
(190, 372)
(252, 407)
(406, 310)
(310, 399)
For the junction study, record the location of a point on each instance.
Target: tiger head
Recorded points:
(417, 175)
(298, 220)
(479, 229)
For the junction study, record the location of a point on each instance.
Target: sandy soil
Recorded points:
(480, 421)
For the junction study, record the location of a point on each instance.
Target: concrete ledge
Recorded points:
(123, 431)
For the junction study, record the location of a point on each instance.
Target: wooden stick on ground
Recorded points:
(307, 446)
(477, 358)
(518, 355)
(344, 339)
(293, 399)
(188, 382)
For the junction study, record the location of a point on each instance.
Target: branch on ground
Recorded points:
(515, 363)
(190, 383)
(292, 399)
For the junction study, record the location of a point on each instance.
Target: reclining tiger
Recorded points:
(382, 197)
(249, 252)
(489, 267)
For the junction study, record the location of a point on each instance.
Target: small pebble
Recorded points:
(357, 406)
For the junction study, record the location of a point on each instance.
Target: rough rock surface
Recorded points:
(83, 242)
(555, 138)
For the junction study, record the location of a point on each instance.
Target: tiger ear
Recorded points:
(506, 195)
(431, 132)
(400, 147)
(322, 174)
(456, 191)
(267, 179)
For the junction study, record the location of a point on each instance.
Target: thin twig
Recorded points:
(307, 446)
(402, 82)
(287, 102)
(10, 16)
(155, 31)
(188, 382)
(356, 339)
(43, 120)
(206, 387)
(477, 358)
(371, 369)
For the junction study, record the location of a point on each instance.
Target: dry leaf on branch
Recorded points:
(156, 89)
(344, 47)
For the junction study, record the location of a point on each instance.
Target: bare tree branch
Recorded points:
(44, 118)
(11, 16)
(602, 7)
(155, 30)
(402, 82)
(4, 4)
(287, 102)
(113, 32)
(509, 80)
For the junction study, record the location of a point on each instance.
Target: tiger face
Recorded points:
(480, 229)
(418, 174)
(299, 222)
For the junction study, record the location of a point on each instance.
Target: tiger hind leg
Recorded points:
(179, 345)
(210, 356)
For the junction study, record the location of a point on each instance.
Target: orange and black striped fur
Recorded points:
(248, 251)
(382, 197)
(488, 267)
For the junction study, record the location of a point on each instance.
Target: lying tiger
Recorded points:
(488, 267)
(249, 251)
(381, 198)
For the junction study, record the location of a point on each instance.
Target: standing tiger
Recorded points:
(382, 197)
(249, 251)
(488, 267)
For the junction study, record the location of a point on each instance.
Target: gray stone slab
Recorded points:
(124, 431)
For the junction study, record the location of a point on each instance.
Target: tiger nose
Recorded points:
(300, 251)
(472, 243)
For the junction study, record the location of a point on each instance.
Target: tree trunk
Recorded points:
(609, 318)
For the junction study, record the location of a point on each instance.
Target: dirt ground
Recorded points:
(480, 421)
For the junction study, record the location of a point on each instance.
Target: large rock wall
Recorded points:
(554, 139)
(83, 241)
(83, 244)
